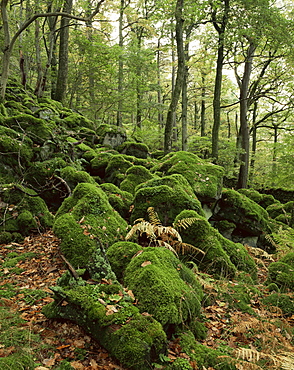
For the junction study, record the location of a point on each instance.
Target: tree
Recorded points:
(10, 41)
(179, 79)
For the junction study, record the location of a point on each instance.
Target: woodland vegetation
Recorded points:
(154, 139)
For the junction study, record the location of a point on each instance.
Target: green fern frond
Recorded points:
(153, 216)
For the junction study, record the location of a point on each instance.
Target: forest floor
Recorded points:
(259, 337)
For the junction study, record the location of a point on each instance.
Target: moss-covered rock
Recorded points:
(16, 149)
(120, 254)
(135, 149)
(250, 218)
(282, 274)
(111, 135)
(168, 195)
(135, 340)
(282, 212)
(204, 178)
(76, 120)
(135, 175)
(205, 356)
(26, 212)
(40, 172)
(37, 129)
(115, 171)
(163, 286)
(99, 163)
(120, 200)
(73, 177)
(222, 256)
(283, 301)
(82, 217)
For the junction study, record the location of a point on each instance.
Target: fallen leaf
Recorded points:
(146, 263)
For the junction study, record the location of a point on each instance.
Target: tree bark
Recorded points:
(179, 79)
(120, 65)
(244, 129)
(62, 73)
(220, 28)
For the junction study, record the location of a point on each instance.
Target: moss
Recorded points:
(205, 356)
(198, 329)
(119, 199)
(37, 129)
(281, 274)
(26, 212)
(82, 217)
(115, 171)
(135, 340)
(16, 148)
(277, 209)
(15, 107)
(180, 364)
(222, 256)
(111, 135)
(5, 237)
(135, 175)
(272, 287)
(204, 178)
(74, 177)
(39, 173)
(76, 120)
(168, 195)
(120, 254)
(135, 149)
(99, 163)
(243, 212)
(26, 222)
(156, 278)
(283, 301)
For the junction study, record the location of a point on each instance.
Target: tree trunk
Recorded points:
(120, 65)
(62, 74)
(7, 49)
(244, 129)
(218, 77)
(203, 108)
(179, 80)
(159, 92)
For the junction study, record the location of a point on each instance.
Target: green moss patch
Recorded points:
(82, 217)
(119, 199)
(135, 175)
(168, 195)
(205, 178)
(222, 257)
(163, 286)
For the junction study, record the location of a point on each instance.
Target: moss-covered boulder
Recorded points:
(111, 136)
(99, 163)
(249, 217)
(163, 286)
(73, 177)
(222, 257)
(205, 178)
(37, 129)
(22, 211)
(283, 301)
(135, 149)
(136, 340)
(282, 212)
(264, 200)
(135, 175)
(16, 150)
(119, 199)
(115, 171)
(282, 272)
(168, 195)
(204, 356)
(84, 216)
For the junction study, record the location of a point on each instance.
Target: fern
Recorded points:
(153, 234)
(185, 222)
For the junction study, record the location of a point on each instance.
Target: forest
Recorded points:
(146, 197)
